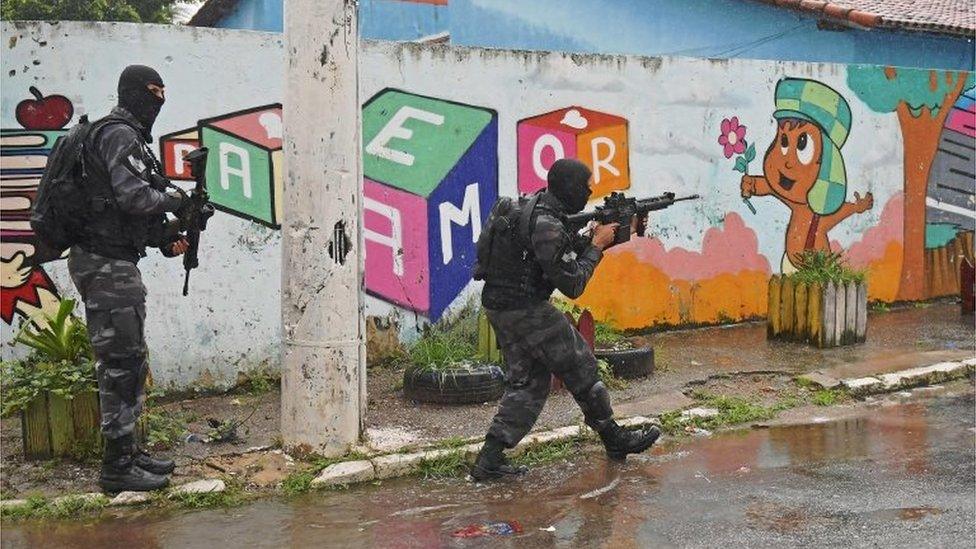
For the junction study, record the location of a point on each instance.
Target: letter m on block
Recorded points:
(431, 177)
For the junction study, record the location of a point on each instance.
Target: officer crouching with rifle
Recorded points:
(528, 249)
(103, 266)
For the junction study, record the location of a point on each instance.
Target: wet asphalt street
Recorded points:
(898, 475)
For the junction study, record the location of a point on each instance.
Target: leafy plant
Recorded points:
(825, 266)
(62, 337)
(137, 11)
(163, 429)
(450, 464)
(22, 381)
(439, 351)
(605, 371)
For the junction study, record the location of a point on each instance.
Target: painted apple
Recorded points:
(44, 113)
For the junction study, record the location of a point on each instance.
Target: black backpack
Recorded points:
(507, 215)
(65, 199)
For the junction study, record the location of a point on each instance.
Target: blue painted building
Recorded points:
(934, 34)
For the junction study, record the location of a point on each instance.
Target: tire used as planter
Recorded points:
(468, 384)
(628, 363)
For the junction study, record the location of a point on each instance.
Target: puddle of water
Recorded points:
(781, 481)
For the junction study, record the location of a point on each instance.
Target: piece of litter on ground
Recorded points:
(744, 469)
(695, 363)
(699, 412)
(819, 419)
(236, 402)
(507, 528)
(903, 394)
(699, 474)
(550, 529)
(600, 491)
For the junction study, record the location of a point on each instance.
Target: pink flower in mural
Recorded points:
(732, 137)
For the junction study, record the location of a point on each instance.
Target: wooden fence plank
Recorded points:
(829, 308)
(773, 310)
(62, 425)
(814, 312)
(37, 430)
(840, 312)
(801, 330)
(788, 309)
(850, 322)
(861, 328)
(484, 336)
(928, 273)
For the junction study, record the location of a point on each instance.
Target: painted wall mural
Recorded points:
(871, 162)
(26, 289)
(597, 139)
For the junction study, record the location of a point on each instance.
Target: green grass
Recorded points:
(880, 307)
(607, 377)
(257, 381)
(164, 429)
(824, 266)
(829, 397)
(731, 411)
(38, 507)
(450, 464)
(548, 452)
(452, 442)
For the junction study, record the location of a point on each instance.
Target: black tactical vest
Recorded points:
(513, 278)
(111, 232)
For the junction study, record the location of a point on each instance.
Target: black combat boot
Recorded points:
(492, 463)
(119, 472)
(619, 441)
(156, 466)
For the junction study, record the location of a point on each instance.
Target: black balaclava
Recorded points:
(569, 181)
(136, 98)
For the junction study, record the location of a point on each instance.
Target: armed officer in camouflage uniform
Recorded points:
(523, 255)
(103, 268)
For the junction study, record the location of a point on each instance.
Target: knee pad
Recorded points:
(595, 403)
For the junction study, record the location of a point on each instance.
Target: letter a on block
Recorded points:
(394, 130)
(470, 212)
(226, 170)
(394, 241)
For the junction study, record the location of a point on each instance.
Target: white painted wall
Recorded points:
(230, 321)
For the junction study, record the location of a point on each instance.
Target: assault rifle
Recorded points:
(620, 209)
(193, 218)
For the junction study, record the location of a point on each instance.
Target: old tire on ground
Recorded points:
(628, 363)
(472, 384)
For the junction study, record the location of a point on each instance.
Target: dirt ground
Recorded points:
(685, 360)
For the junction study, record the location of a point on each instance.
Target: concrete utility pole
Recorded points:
(323, 379)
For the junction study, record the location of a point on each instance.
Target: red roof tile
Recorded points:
(939, 16)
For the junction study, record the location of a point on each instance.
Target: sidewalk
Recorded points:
(712, 358)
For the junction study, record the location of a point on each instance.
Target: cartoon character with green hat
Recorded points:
(804, 168)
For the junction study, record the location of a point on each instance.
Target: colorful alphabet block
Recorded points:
(597, 139)
(244, 169)
(173, 147)
(431, 177)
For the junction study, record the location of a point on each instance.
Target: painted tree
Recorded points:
(921, 99)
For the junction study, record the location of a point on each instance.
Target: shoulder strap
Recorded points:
(525, 220)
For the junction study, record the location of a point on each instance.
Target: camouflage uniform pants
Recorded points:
(115, 309)
(539, 342)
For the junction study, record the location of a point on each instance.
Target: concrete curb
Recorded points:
(906, 379)
(406, 462)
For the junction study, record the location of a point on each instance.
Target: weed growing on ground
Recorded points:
(548, 452)
(829, 397)
(257, 381)
(452, 442)
(164, 429)
(606, 376)
(449, 464)
(880, 307)
(38, 507)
